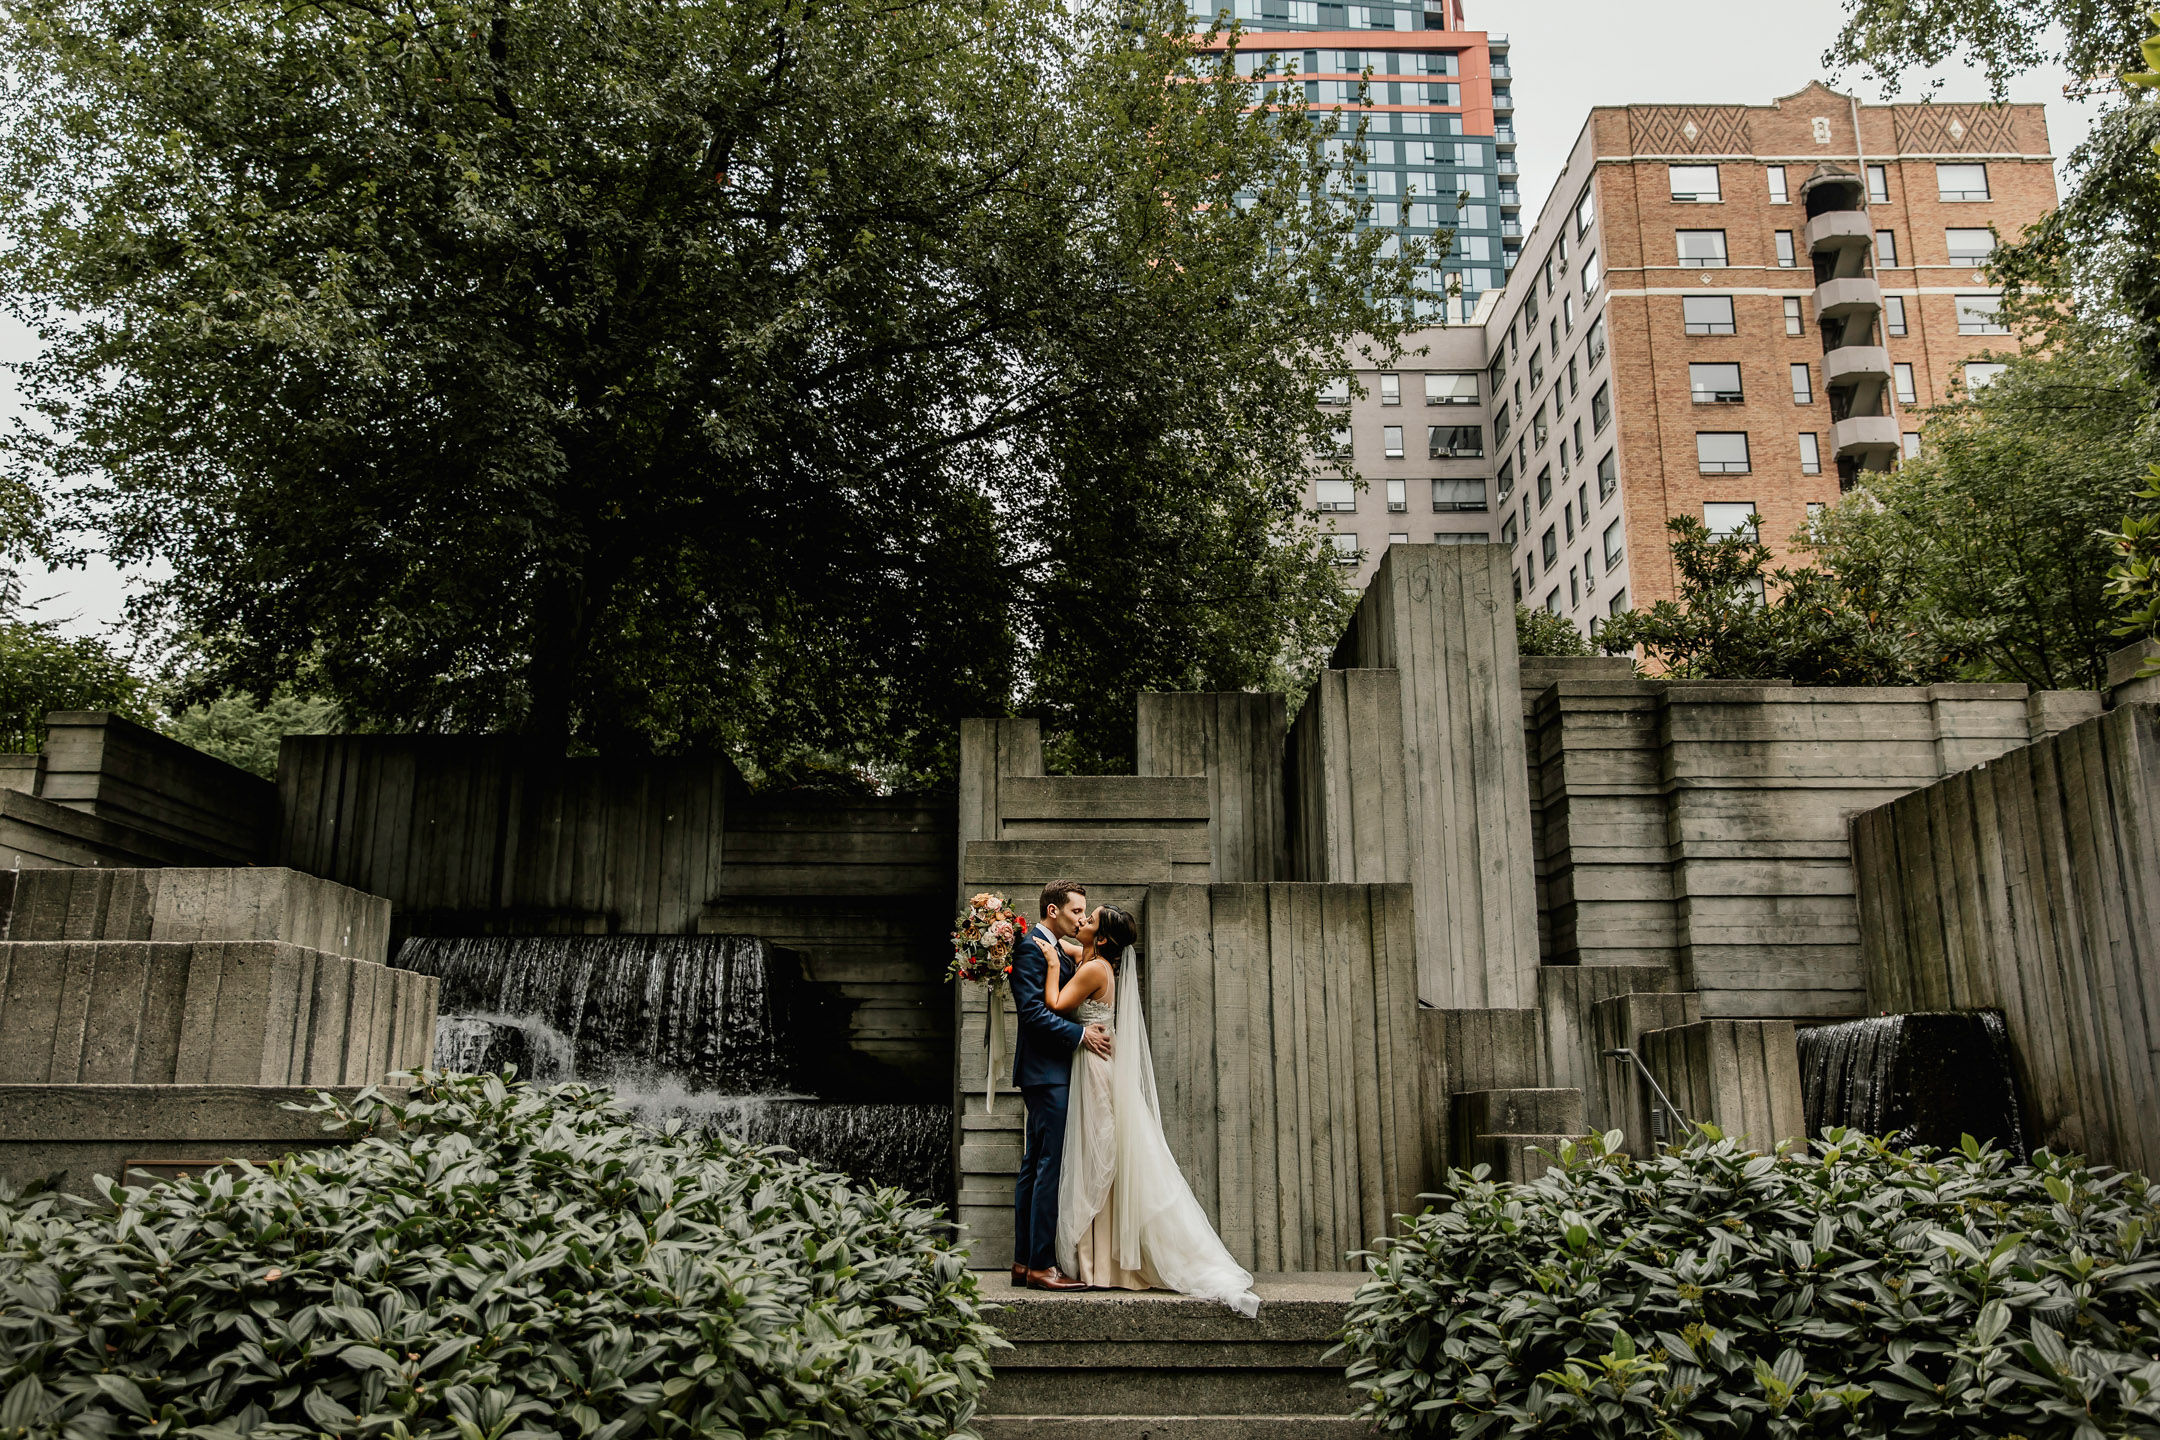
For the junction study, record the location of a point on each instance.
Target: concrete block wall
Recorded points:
(1741, 1075)
(1236, 742)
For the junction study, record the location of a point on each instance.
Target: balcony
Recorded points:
(1496, 41)
(1511, 229)
(1503, 134)
(1865, 437)
(1856, 364)
(1508, 171)
(1840, 230)
(1854, 295)
(1510, 198)
(1503, 102)
(1500, 70)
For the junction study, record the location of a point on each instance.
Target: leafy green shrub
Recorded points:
(1540, 632)
(496, 1261)
(1845, 1288)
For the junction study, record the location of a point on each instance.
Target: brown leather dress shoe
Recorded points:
(1020, 1277)
(1051, 1279)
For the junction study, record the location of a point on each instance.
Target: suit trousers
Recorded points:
(1035, 1192)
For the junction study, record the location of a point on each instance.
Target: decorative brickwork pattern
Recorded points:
(1936, 129)
(1690, 130)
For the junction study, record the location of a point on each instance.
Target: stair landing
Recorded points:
(1119, 1365)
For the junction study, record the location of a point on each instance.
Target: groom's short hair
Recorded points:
(1056, 893)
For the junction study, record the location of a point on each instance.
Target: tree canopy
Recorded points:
(795, 377)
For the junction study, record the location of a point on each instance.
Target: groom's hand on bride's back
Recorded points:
(1097, 1039)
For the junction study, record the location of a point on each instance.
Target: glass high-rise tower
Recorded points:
(1441, 133)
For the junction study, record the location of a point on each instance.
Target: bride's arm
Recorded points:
(1063, 995)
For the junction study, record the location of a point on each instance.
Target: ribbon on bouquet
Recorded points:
(994, 1035)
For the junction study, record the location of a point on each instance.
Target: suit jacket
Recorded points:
(1043, 1053)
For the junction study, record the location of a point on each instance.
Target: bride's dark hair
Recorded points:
(1115, 932)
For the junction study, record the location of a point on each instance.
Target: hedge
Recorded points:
(492, 1261)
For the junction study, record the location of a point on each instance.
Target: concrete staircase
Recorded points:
(990, 1146)
(1506, 1129)
(1113, 1365)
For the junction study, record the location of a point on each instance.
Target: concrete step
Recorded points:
(1157, 1366)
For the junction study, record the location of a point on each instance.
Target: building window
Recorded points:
(1401, 537)
(1507, 532)
(1518, 587)
(1912, 444)
(1574, 588)
(1608, 476)
(1391, 441)
(1981, 373)
(1786, 258)
(1450, 496)
(1507, 478)
(1777, 186)
(1730, 517)
(1694, 184)
(1815, 509)
(1539, 427)
(1886, 250)
(1794, 320)
(1721, 452)
(1578, 438)
(1906, 395)
(1454, 442)
(1537, 368)
(1398, 496)
(1893, 309)
(1591, 274)
(1585, 212)
(1600, 408)
(1346, 549)
(1596, 344)
(1544, 487)
(1878, 184)
(1700, 249)
(1567, 313)
(1336, 391)
(1466, 537)
(1810, 455)
(1336, 442)
(1970, 246)
(1567, 519)
(1552, 601)
(1707, 314)
(1589, 575)
(1496, 373)
(1803, 389)
(1619, 601)
(1500, 423)
(1614, 550)
(1549, 548)
(1391, 389)
(1457, 387)
(1714, 384)
(1337, 496)
(1961, 182)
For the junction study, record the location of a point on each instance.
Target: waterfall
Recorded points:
(721, 1031)
(1929, 1078)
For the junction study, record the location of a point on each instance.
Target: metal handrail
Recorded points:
(1651, 1080)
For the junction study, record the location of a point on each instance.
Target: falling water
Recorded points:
(721, 1031)
(1929, 1078)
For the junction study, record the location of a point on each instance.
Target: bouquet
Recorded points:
(982, 945)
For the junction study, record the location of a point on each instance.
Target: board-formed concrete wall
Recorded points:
(1441, 618)
(1235, 740)
(1283, 1020)
(1740, 1075)
(181, 903)
(210, 1012)
(122, 772)
(2032, 885)
(1701, 825)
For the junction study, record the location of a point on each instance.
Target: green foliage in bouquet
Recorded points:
(494, 1261)
(1848, 1288)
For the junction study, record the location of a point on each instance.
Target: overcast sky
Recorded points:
(1567, 55)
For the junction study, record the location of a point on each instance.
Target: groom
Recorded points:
(1042, 1069)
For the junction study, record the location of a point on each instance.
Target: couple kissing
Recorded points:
(1100, 1202)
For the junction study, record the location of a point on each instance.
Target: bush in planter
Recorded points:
(495, 1261)
(1847, 1288)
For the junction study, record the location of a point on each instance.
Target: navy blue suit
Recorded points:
(1042, 1069)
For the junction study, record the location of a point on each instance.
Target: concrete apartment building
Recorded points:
(1721, 311)
(1727, 309)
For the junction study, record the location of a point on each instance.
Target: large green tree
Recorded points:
(795, 375)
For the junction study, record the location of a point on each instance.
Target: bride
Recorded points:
(1126, 1218)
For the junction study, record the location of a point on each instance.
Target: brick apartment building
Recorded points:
(1722, 310)
(1726, 310)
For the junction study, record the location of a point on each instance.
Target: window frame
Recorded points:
(1963, 195)
(1802, 376)
(1722, 261)
(1700, 393)
(1715, 195)
(1710, 327)
(1810, 453)
(1743, 466)
(1995, 324)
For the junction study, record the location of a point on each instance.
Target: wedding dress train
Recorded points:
(1126, 1217)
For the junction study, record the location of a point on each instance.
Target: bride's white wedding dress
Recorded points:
(1126, 1217)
